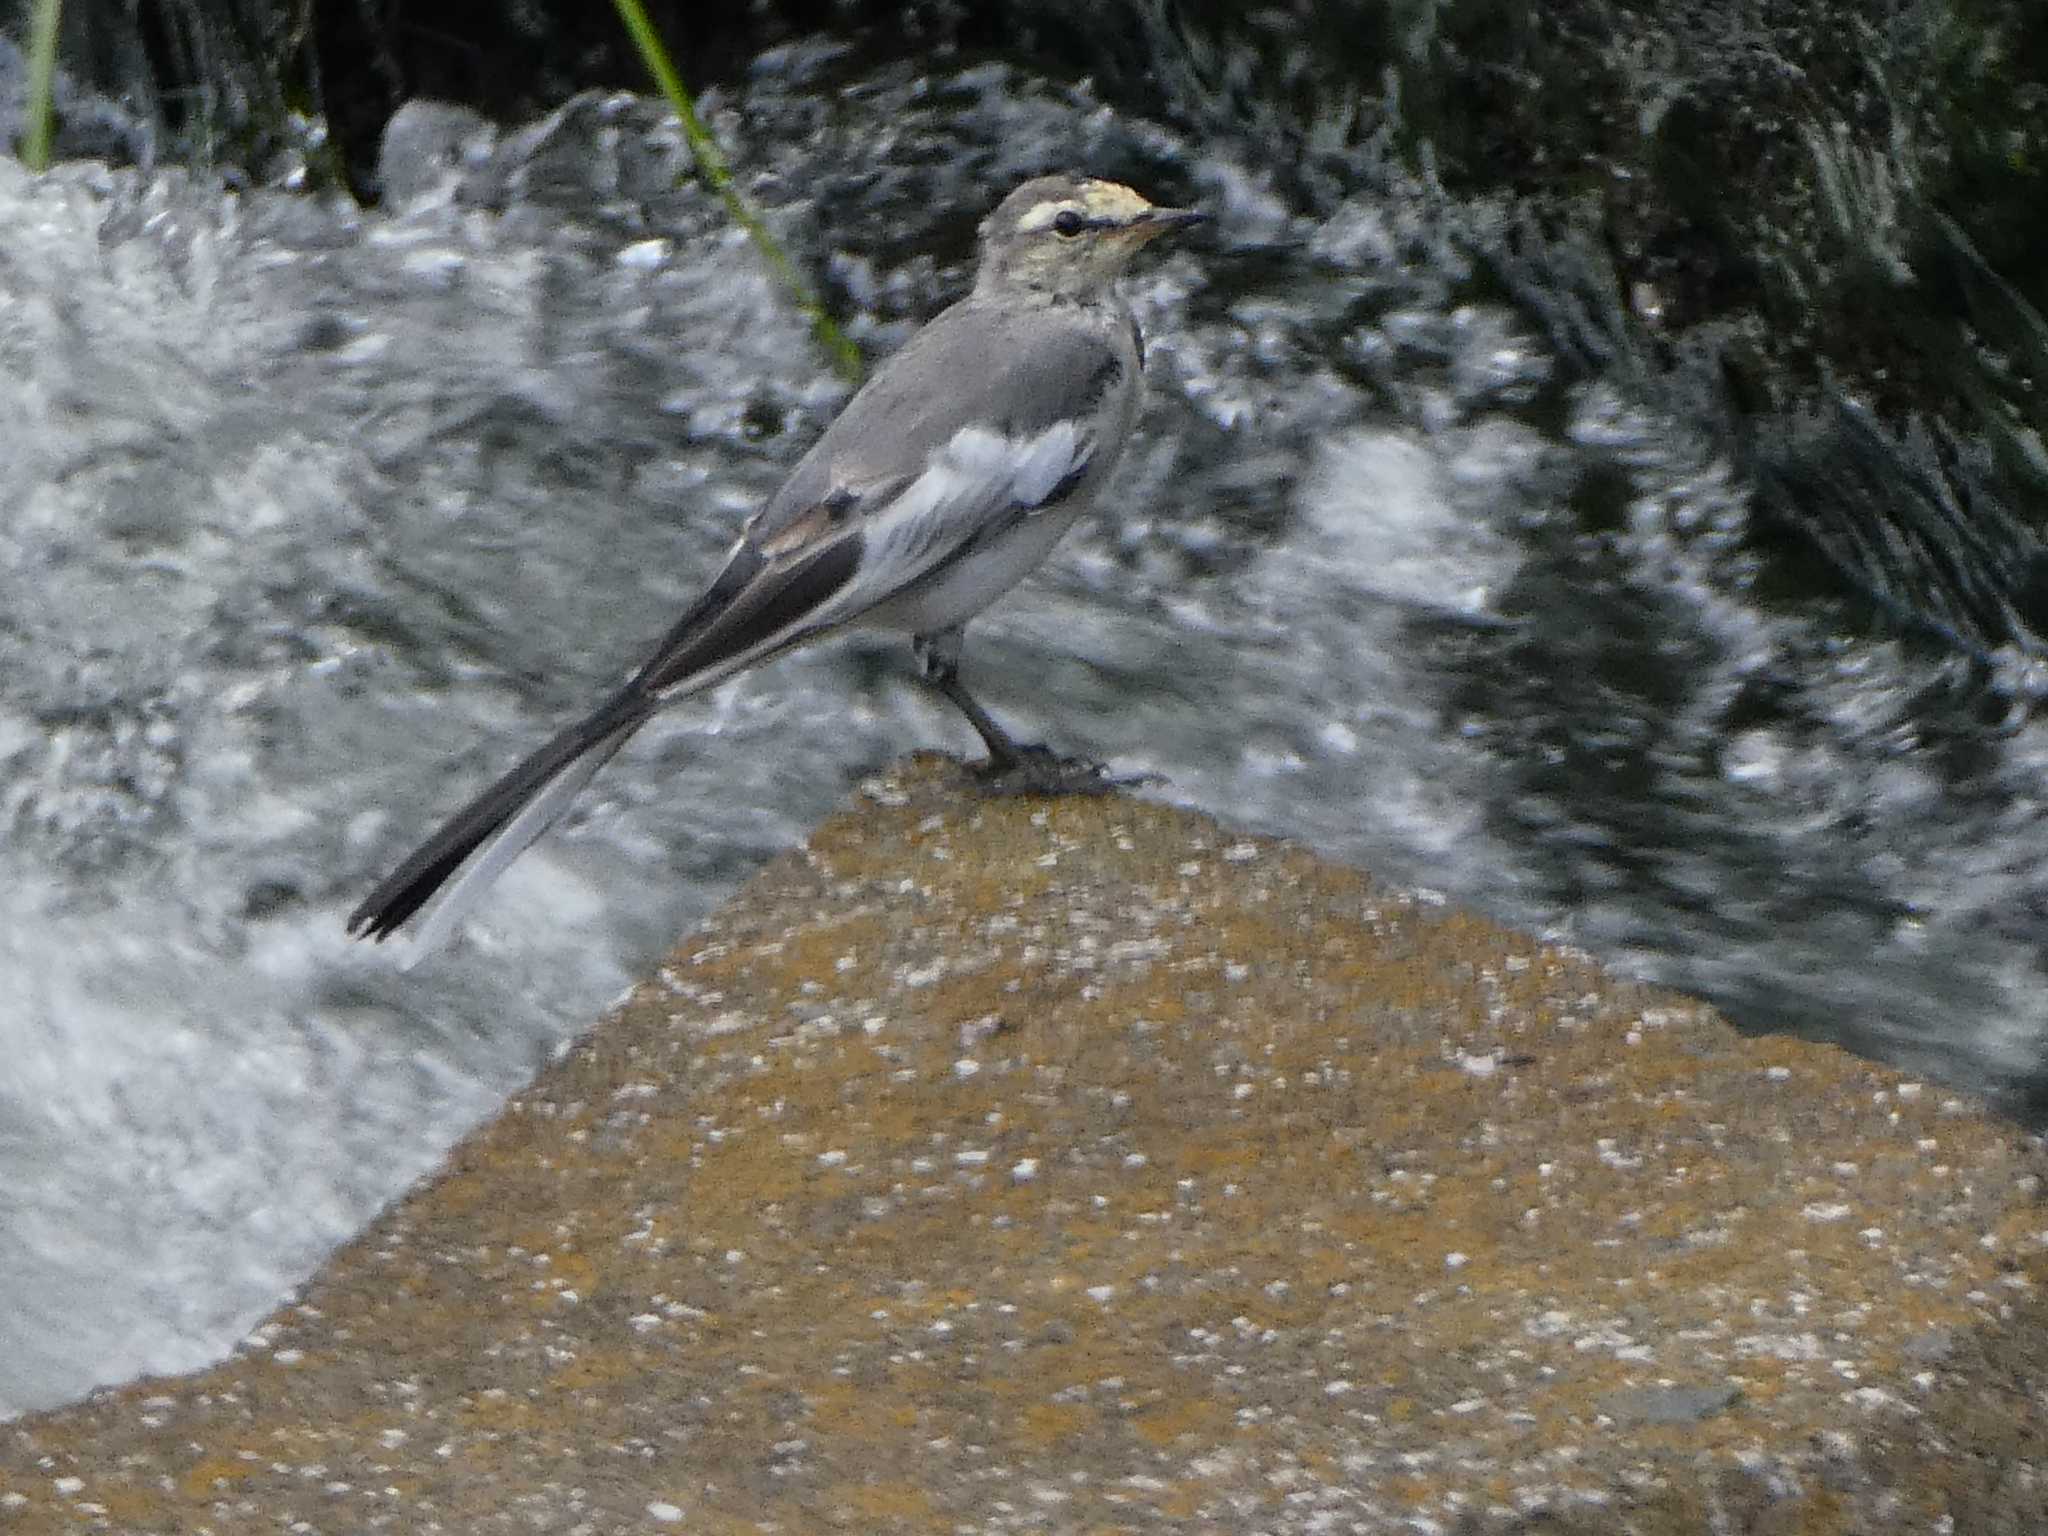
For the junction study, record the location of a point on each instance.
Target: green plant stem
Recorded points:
(42, 79)
(717, 175)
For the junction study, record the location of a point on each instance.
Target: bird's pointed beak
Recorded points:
(1165, 221)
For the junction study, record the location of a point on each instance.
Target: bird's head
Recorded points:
(1069, 236)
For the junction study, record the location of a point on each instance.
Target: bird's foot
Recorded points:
(1037, 770)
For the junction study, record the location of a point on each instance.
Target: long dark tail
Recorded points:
(754, 609)
(455, 866)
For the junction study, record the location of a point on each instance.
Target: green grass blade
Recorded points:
(717, 175)
(42, 80)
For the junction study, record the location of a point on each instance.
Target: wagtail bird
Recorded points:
(948, 476)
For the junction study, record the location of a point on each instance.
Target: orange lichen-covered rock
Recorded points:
(1003, 1165)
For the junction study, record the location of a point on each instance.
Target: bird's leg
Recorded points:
(1013, 768)
(938, 660)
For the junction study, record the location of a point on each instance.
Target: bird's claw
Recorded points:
(1040, 771)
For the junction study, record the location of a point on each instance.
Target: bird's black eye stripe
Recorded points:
(1068, 223)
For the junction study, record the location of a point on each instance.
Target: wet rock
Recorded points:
(429, 148)
(1007, 1165)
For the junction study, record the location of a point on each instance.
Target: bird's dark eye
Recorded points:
(1067, 223)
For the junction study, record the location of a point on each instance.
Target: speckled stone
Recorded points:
(1006, 1166)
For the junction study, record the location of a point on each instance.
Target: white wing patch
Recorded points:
(1031, 468)
(979, 482)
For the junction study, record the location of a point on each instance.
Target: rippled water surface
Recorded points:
(318, 517)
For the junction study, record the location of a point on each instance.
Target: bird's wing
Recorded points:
(1012, 373)
(862, 548)
(975, 487)
(762, 602)
(910, 477)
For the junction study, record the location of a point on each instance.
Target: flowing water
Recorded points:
(316, 517)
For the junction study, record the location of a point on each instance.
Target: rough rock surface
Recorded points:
(1004, 1166)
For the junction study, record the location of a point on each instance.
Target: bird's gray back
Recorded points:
(1013, 370)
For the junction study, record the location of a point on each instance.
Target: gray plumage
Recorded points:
(947, 478)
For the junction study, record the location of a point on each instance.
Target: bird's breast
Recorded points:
(962, 588)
